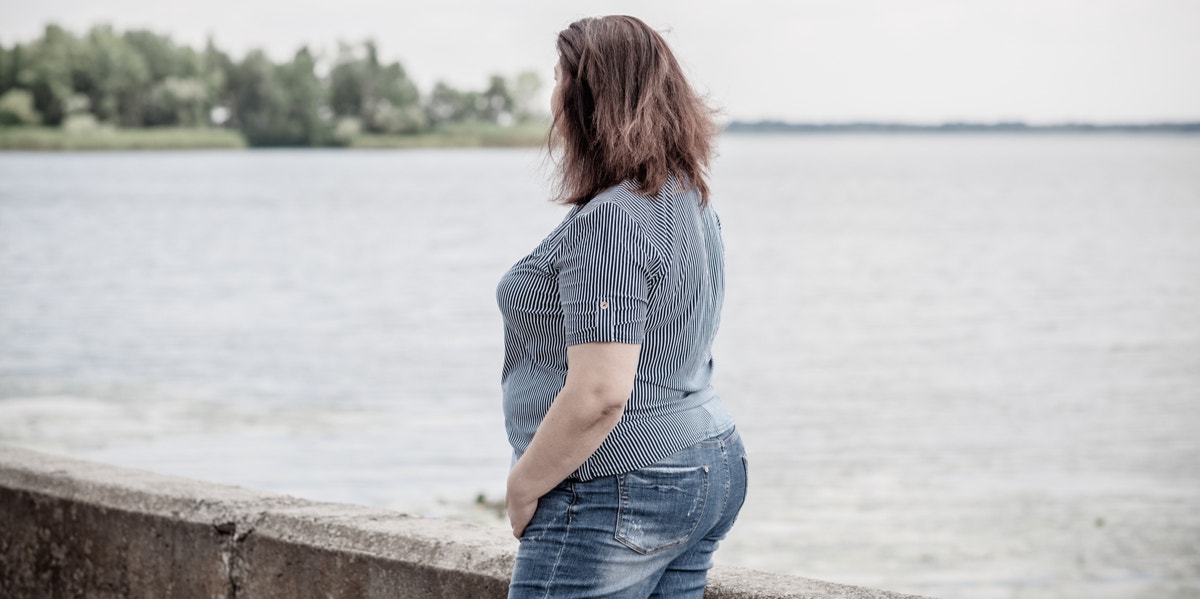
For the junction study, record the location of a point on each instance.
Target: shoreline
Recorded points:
(52, 139)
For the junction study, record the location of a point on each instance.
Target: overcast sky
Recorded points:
(802, 60)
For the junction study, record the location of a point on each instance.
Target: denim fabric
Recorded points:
(646, 533)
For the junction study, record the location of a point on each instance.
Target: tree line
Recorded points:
(139, 78)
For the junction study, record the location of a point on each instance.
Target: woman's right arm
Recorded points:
(599, 382)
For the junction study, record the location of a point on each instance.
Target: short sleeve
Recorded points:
(604, 269)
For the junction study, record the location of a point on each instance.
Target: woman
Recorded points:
(628, 469)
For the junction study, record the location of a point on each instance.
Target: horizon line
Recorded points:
(767, 125)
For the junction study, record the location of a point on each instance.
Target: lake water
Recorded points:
(966, 366)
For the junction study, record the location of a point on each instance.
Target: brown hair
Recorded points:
(624, 110)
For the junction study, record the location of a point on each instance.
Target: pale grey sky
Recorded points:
(803, 60)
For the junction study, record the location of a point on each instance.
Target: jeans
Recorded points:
(646, 533)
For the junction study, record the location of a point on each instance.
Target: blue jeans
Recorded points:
(646, 533)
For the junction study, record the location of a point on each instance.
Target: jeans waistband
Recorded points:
(722, 439)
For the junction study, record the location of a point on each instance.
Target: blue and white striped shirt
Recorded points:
(627, 268)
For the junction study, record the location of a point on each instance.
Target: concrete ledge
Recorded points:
(70, 528)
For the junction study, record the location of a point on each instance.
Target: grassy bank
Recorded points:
(460, 136)
(108, 138)
(168, 138)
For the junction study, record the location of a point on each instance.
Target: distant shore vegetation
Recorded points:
(136, 89)
(139, 89)
(959, 127)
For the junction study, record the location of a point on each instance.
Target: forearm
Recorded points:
(574, 427)
(599, 381)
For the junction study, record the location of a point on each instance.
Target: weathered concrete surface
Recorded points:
(70, 528)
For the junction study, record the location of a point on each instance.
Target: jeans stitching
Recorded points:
(724, 440)
(622, 499)
(563, 545)
(746, 483)
(728, 481)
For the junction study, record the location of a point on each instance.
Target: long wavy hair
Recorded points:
(623, 110)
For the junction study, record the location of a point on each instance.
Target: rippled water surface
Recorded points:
(965, 366)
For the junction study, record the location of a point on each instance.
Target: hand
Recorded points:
(520, 508)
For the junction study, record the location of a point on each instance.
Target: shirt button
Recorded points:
(603, 305)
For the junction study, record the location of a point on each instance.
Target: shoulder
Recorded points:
(618, 211)
(621, 201)
(617, 222)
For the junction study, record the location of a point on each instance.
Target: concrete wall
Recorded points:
(70, 528)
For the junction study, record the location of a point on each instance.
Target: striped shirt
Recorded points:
(632, 269)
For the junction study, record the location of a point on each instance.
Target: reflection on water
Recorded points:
(964, 366)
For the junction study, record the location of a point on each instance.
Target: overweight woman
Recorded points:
(627, 467)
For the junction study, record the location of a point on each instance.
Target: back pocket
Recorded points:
(660, 506)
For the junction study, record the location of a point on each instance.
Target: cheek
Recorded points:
(556, 100)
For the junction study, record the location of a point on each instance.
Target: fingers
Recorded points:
(519, 517)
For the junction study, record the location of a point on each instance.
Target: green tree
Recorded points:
(114, 77)
(502, 102)
(16, 108)
(347, 83)
(163, 58)
(449, 105)
(278, 105)
(498, 104)
(381, 97)
(179, 101)
(398, 106)
(139, 78)
(178, 89)
(256, 99)
(6, 58)
(216, 67)
(304, 121)
(48, 73)
(525, 88)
